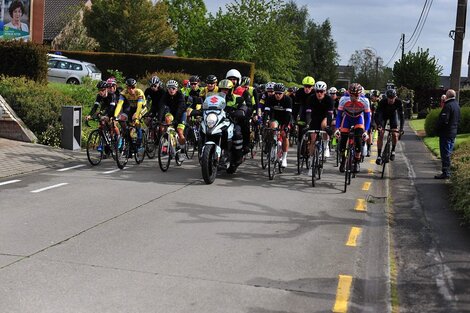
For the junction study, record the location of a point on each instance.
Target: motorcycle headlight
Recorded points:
(211, 120)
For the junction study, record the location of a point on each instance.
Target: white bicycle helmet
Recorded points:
(270, 86)
(320, 85)
(332, 91)
(172, 84)
(234, 73)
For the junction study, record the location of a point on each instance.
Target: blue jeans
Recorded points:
(446, 146)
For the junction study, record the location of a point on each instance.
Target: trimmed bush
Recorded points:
(23, 59)
(430, 122)
(38, 106)
(460, 181)
(464, 126)
(139, 65)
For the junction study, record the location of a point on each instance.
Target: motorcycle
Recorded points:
(217, 131)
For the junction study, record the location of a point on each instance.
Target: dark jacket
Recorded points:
(449, 119)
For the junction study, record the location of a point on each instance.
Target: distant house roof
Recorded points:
(56, 15)
(445, 82)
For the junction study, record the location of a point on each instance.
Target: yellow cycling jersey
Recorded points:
(205, 91)
(130, 103)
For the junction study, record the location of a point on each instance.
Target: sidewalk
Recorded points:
(17, 157)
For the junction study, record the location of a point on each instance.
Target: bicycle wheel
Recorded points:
(321, 160)
(123, 148)
(338, 153)
(301, 153)
(152, 143)
(315, 164)
(385, 157)
(95, 147)
(265, 148)
(271, 161)
(164, 152)
(139, 154)
(347, 170)
(191, 143)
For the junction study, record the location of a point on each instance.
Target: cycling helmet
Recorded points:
(211, 79)
(269, 86)
(391, 93)
(131, 82)
(111, 82)
(332, 91)
(194, 79)
(320, 85)
(245, 81)
(279, 87)
(225, 84)
(155, 80)
(342, 91)
(374, 93)
(172, 84)
(234, 73)
(308, 80)
(102, 85)
(355, 89)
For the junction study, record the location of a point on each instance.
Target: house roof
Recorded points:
(56, 14)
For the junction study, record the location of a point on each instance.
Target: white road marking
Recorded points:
(50, 187)
(70, 168)
(9, 182)
(112, 171)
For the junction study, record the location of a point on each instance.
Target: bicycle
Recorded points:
(153, 138)
(191, 133)
(387, 149)
(101, 142)
(169, 148)
(318, 157)
(127, 145)
(274, 146)
(302, 153)
(350, 159)
(256, 138)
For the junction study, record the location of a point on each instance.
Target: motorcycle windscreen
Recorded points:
(214, 102)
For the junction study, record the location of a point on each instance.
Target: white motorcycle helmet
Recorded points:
(234, 73)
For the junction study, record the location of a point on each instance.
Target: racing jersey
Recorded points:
(354, 111)
(130, 104)
(279, 110)
(106, 105)
(205, 91)
(316, 110)
(174, 105)
(155, 97)
(385, 111)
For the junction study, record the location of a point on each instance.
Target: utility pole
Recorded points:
(402, 46)
(458, 34)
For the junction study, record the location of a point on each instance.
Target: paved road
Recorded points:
(94, 239)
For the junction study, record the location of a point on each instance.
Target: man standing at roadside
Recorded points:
(446, 127)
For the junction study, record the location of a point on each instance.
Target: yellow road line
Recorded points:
(366, 186)
(353, 235)
(370, 171)
(371, 161)
(342, 294)
(361, 205)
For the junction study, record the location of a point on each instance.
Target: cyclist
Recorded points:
(353, 110)
(236, 78)
(245, 87)
(389, 108)
(300, 104)
(105, 101)
(175, 108)
(278, 110)
(319, 114)
(211, 86)
(374, 99)
(237, 109)
(130, 106)
(153, 94)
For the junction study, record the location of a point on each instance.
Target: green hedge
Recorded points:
(20, 58)
(460, 181)
(140, 65)
(37, 105)
(431, 120)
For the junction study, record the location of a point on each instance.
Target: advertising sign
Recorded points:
(15, 19)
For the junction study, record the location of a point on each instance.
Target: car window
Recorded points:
(63, 65)
(51, 63)
(76, 67)
(93, 68)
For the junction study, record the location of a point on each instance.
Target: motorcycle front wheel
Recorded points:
(209, 164)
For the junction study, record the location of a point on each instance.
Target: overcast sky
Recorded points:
(357, 24)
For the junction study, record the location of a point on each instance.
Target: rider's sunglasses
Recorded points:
(308, 86)
(154, 86)
(270, 91)
(171, 88)
(103, 89)
(320, 91)
(130, 87)
(278, 93)
(193, 84)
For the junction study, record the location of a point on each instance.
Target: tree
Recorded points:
(130, 25)
(74, 36)
(368, 68)
(417, 70)
(322, 56)
(188, 19)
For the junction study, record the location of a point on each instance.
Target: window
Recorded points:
(51, 63)
(76, 67)
(63, 65)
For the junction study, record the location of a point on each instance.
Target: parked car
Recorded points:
(64, 70)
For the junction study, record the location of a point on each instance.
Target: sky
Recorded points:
(378, 24)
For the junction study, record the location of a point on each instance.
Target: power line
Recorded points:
(419, 21)
(394, 53)
(422, 25)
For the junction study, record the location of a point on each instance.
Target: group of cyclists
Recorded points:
(314, 106)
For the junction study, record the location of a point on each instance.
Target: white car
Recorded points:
(64, 70)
